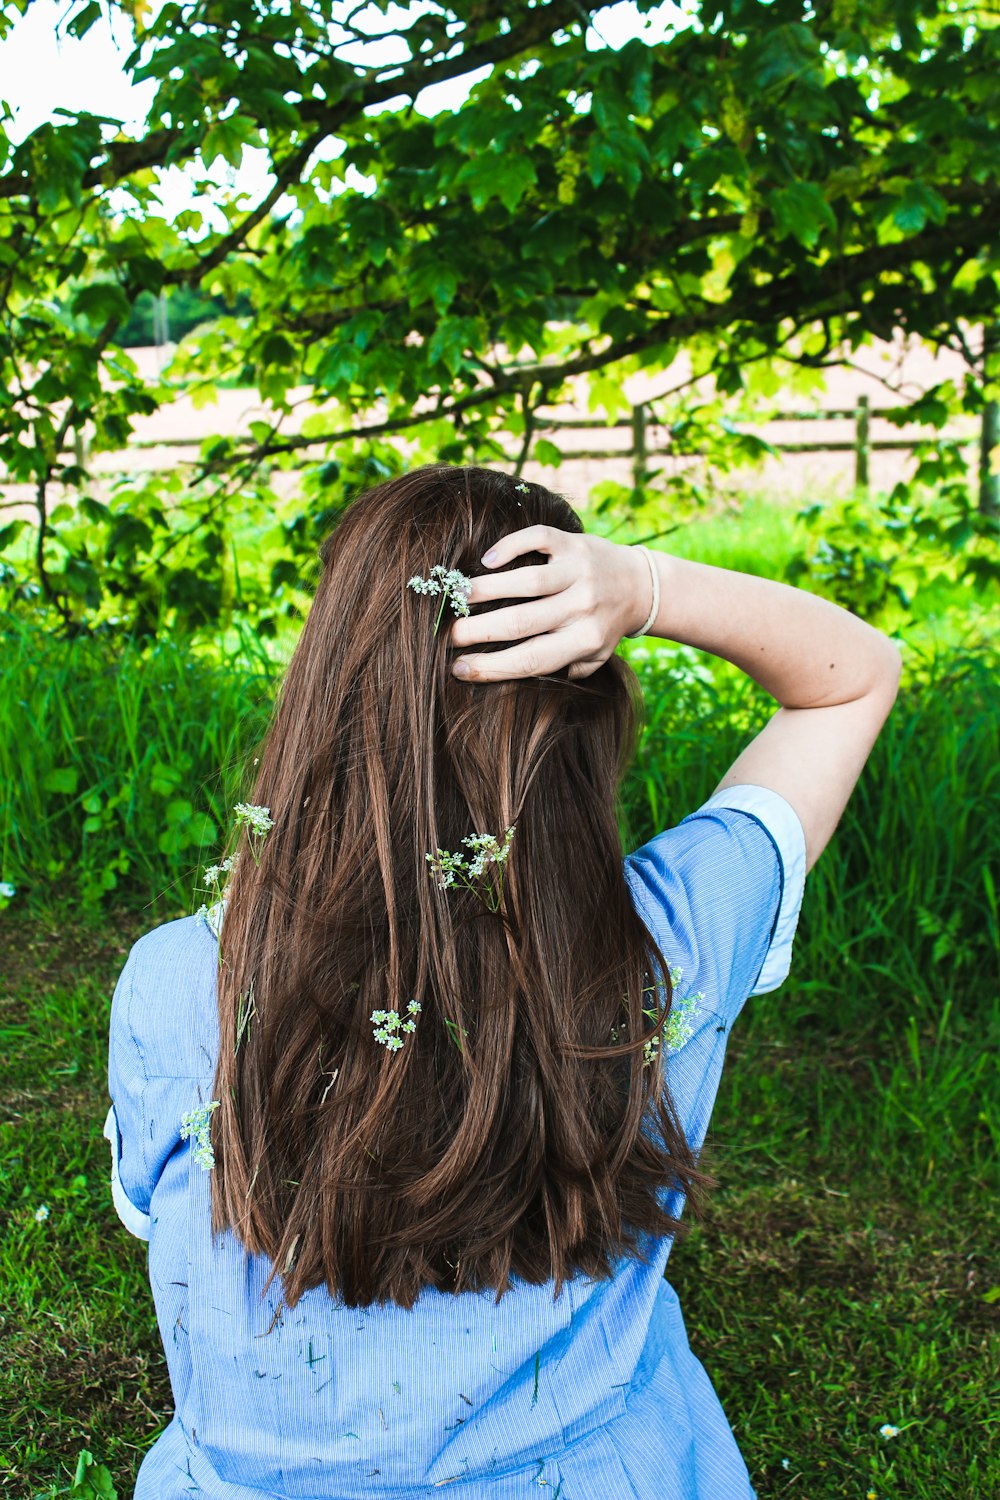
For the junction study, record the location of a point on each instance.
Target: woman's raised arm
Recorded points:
(834, 677)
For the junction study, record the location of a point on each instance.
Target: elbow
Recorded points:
(888, 667)
(893, 666)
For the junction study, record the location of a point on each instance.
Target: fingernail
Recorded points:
(462, 669)
(489, 558)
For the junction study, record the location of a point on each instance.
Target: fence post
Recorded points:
(639, 447)
(861, 445)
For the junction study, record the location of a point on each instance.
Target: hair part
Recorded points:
(517, 1131)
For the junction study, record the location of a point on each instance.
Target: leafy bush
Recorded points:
(868, 554)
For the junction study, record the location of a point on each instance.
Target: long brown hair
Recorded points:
(518, 1131)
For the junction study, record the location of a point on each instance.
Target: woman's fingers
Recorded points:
(557, 625)
(540, 656)
(529, 582)
(511, 624)
(547, 539)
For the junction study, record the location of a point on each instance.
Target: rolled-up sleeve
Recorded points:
(781, 823)
(721, 894)
(125, 1125)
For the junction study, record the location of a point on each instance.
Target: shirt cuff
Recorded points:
(781, 822)
(135, 1221)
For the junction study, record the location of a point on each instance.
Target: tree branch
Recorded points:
(782, 298)
(125, 157)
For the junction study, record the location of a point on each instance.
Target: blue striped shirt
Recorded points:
(590, 1396)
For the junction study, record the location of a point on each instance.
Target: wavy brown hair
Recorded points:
(517, 1132)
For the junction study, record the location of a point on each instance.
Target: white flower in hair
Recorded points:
(389, 1023)
(197, 1124)
(679, 1028)
(257, 819)
(486, 850)
(454, 587)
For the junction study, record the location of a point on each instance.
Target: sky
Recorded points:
(42, 69)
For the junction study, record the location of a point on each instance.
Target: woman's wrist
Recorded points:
(649, 619)
(641, 592)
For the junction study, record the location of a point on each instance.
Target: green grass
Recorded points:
(753, 535)
(80, 1368)
(135, 762)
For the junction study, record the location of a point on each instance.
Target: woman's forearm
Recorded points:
(804, 651)
(834, 677)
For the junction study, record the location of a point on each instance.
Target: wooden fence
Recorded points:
(861, 445)
(642, 423)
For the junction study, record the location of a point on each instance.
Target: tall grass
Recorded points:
(118, 766)
(890, 1024)
(906, 889)
(118, 769)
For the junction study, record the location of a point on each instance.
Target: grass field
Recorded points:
(846, 1276)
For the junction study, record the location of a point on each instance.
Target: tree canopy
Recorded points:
(768, 182)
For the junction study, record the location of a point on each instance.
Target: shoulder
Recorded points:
(165, 1001)
(721, 891)
(187, 941)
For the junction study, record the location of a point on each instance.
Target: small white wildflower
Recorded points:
(786, 1463)
(7, 891)
(196, 1124)
(257, 819)
(388, 1023)
(888, 1431)
(453, 586)
(486, 850)
(41, 1213)
(213, 876)
(679, 1027)
(521, 488)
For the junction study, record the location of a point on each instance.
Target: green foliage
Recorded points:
(919, 834)
(759, 189)
(162, 557)
(91, 1481)
(135, 763)
(183, 310)
(903, 548)
(925, 540)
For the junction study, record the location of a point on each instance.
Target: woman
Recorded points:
(409, 1116)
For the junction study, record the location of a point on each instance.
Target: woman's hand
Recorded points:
(576, 607)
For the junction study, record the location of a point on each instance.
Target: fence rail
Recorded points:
(640, 451)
